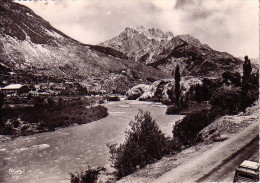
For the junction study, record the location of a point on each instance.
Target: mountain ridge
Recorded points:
(168, 51)
(28, 43)
(151, 37)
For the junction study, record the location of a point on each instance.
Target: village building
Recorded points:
(15, 89)
(38, 93)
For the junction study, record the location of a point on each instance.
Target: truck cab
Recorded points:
(247, 171)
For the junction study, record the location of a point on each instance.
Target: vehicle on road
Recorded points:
(247, 171)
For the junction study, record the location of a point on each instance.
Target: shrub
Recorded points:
(55, 114)
(8, 130)
(172, 110)
(186, 130)
(249, 97)
(227, 98)
(201, 93)
(2, 97)
(38, 102)
(113, 98)
(233, 77)
(15, 123)
(88, 176)
(254, 79)
(144, 144)
(209, 86)
(24, 128)
(177, 84)
(101, 101)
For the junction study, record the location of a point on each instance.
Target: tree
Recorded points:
(186, 131)
(233, 77)
(228, 99)
(2, 97)
(145, 143)
(177, 84)
(247, 69)
(88, 176)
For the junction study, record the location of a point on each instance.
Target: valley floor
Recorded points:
(202, 161)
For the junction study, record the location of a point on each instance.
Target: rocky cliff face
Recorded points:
(163, 90)
(28, 43)
(137, 91)
(139, 43)
(164, 51)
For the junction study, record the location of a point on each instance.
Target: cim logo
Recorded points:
(16, 171)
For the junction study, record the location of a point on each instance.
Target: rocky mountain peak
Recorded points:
(138, 41)
(164, 51)
(151, 33)
(191, 40)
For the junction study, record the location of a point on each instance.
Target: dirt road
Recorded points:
(225, 172)
(227, 154)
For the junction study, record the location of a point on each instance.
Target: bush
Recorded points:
(201, 93)
(144, 144)
(89, 176)
(16, 123)
(172, 110)
(24, 128)
(228, 98)
(2, 97)
(186, 130)
(208, 87)
(101, 101)
(235, 99)
(8, 130)
(233, 77)
(55, 114)
(113, 98)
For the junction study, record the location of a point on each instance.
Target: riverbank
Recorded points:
(235, 130)
(5, 138)
(48, 157)
(49, 114)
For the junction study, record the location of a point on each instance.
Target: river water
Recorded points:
(48, 157)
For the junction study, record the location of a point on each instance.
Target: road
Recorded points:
(217, 163)
(225, 172)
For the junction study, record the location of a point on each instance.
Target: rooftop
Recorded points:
(12, 87)
(249, 164)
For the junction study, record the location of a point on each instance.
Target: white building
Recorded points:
(15, 89)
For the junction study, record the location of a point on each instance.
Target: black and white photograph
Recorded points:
(129, 91)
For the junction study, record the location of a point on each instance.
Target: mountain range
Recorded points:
(164, 51)
(28, 43)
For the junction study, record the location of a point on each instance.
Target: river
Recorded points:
(48, 157)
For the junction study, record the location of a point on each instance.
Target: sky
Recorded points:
(225, 25)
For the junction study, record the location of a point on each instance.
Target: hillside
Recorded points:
(164, 51)
(28, 43)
